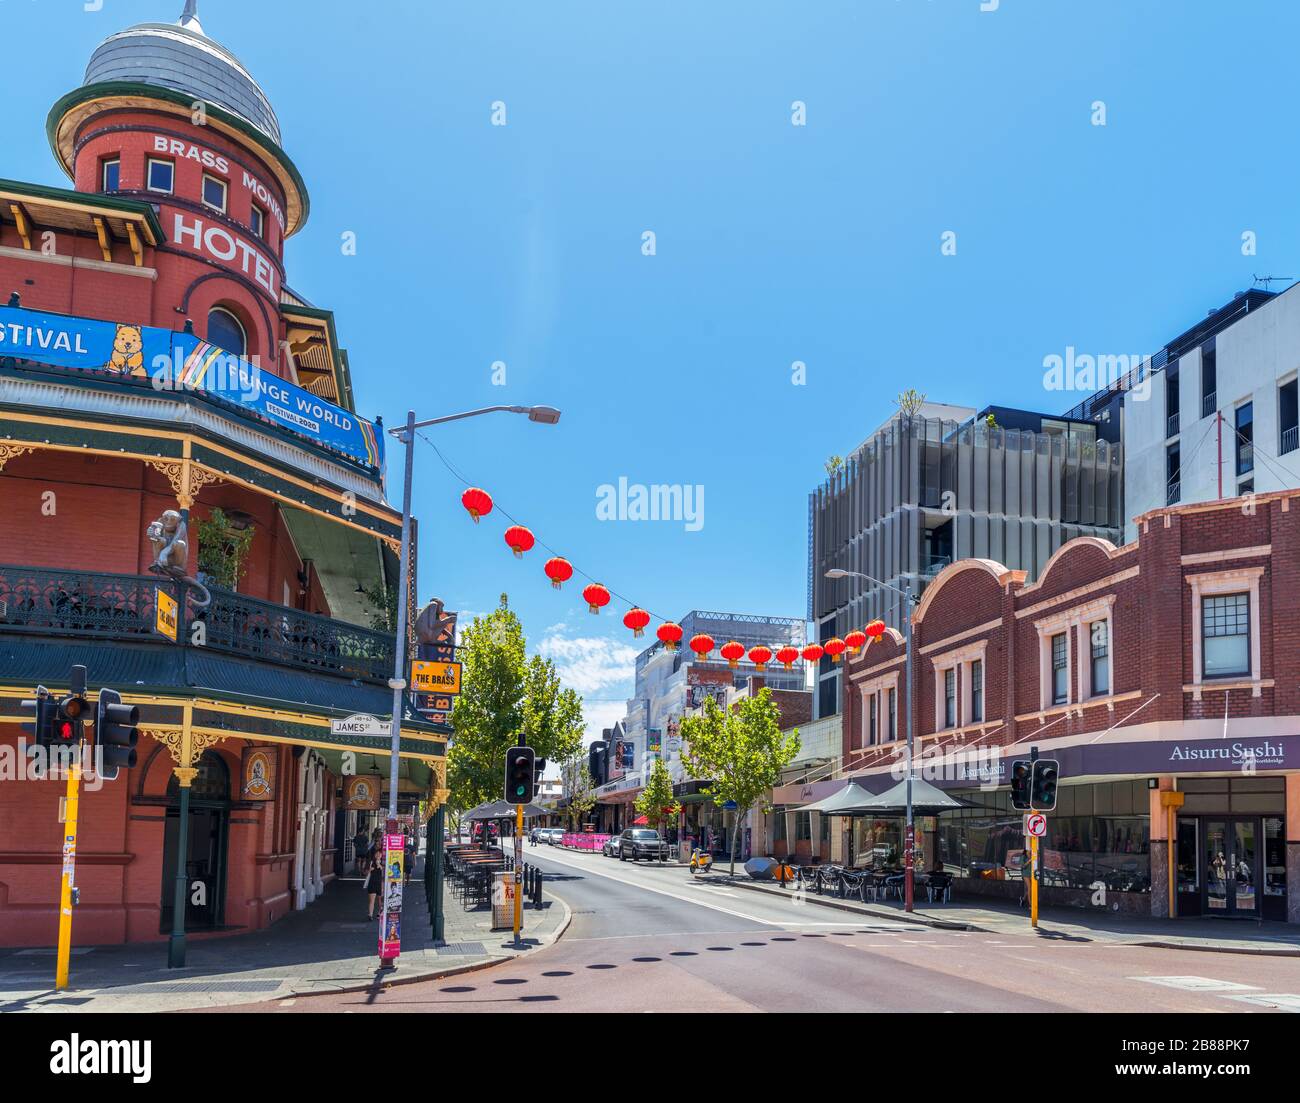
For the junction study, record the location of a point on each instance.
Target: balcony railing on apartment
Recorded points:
(1290, 440)
(1209, 403)
(1171, 429)
(93, 604)
(1175, 493)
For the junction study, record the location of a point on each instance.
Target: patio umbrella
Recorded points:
(927, 800)
(640, 821)
(845, 802)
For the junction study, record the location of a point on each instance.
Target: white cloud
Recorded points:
(589, 664)
(600, 715)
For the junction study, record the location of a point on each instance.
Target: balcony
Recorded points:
(1171, 426)
(1209, 403)
(932, 564)
(1175, 492)
(1289, 440)
(92, 605)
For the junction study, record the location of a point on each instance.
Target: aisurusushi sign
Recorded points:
(182, 361)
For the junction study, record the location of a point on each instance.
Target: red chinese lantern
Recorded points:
(787, 655)
(760, 656)
(636, 619)
(595, 596)
(478, 502)
(671, 634)
(702, 644)
(834, 647)
(559, 570)
(732, 652)
(855, 640)
(519, 539)
(875, 629)
(812, 652)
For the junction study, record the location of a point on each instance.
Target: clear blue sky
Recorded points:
(775, 243)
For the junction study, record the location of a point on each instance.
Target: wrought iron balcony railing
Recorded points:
(94, 604)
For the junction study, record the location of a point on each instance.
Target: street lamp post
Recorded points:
(545, 415)
(909, 859)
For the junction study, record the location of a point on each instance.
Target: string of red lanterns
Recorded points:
(519, 539)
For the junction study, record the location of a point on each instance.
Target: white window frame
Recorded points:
(1085, 648)
(968, 682)
(958, 660)
(1074, 621)
(876, 688)
(1215, 584)
(225, 192)
(148, 175)
(103, 173)
(257, 221)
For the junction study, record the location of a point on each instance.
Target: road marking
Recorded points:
(1198, 984)
(673, 895)
(1283, 1001)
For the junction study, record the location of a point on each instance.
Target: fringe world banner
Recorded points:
(182, 361)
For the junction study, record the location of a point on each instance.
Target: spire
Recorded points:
(189, 19)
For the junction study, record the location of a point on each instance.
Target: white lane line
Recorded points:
(672, 895)
(1199, 984)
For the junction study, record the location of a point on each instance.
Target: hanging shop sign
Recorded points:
(257, 774)
(165, 613)
(181, 361)
(431, 677)
(361, 792)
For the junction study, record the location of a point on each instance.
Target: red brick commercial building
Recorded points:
(153, 358)
(1163, 675)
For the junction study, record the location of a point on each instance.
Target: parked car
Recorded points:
(641, 842)
(610, 849)
(552, 836)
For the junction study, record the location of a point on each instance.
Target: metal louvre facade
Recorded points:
(970, 490)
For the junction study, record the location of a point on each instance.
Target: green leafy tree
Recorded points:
(579, 792)
(910, 401)
(740, 753)
(223, 548)
(656, 802)
(505, 694)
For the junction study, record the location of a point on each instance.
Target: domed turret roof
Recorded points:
(179, 56)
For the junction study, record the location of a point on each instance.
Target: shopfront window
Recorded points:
(1100, 636)
(878, 843)
(1060, 670)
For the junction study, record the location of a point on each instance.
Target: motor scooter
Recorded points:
(701, 861)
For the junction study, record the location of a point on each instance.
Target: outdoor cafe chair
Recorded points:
(940, 885)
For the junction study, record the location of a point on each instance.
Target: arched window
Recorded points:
(225, 331)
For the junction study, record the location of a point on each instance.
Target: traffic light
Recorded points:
(73, 712)
(1021, 776)
(115, 732)
(539, 768)
(519, 775)
(1043, 788)
(40, 710)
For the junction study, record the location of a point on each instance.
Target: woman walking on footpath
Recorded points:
(375, 878)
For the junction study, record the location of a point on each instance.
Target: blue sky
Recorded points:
(774, 243)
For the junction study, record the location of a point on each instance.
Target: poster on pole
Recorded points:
(390, 915)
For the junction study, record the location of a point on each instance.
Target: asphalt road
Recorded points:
(651, 938)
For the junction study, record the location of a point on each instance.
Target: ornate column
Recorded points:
(185, 747)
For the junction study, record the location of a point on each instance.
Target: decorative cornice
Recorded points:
(11, 451)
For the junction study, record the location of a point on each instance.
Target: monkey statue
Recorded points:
(170, 546)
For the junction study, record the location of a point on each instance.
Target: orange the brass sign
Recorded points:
(431, 677)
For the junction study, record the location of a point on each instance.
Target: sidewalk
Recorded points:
(1067, 924)
(327, 947)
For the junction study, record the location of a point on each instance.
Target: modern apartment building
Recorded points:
(947, 483)
(1218, 417)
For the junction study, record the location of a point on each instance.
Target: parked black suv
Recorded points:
(640, 842)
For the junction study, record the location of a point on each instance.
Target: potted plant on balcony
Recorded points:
(224, 543)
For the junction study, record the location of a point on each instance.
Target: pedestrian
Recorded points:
(359, 851)
(410, 857)
(374, 880)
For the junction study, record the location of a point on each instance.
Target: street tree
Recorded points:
(739, 753)
(579, 790)
(505, 694)
(656, 802)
